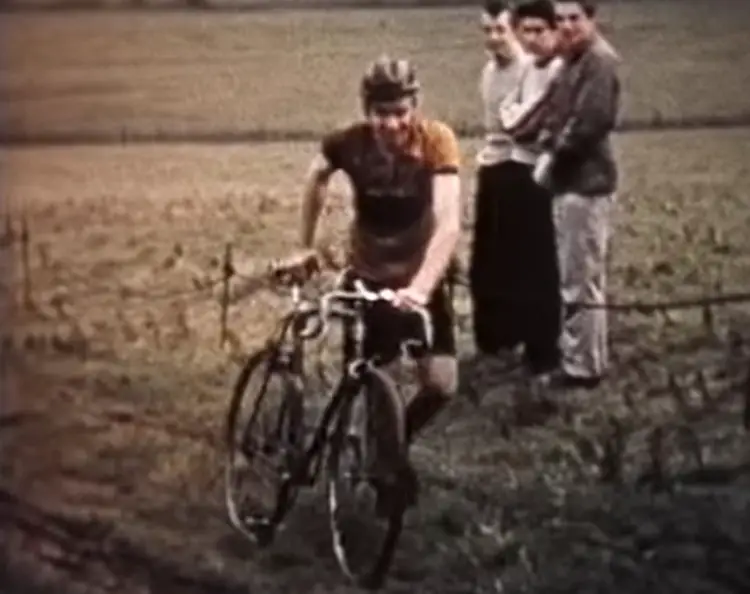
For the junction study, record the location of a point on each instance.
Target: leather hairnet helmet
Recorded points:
(388, 79)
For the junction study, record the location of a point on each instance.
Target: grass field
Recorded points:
(291, 71)
(130, 440)
(110, 473)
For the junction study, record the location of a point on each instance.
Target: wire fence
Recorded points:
(272, 276)
(227, 287)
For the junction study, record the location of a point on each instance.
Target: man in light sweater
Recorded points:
(515, 230)
(500, 182)
(579, 168)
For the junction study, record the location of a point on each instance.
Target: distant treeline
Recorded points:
(124, 136)
(244, 5)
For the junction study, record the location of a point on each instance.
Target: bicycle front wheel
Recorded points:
(263, 433)
(366, 457)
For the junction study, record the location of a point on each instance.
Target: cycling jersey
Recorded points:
(394, 218)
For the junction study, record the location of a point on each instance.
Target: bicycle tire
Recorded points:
(381, 392)
(261, 527)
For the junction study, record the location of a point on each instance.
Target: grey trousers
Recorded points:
(583, 233)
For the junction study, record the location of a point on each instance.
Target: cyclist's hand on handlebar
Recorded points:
(298, 268)
(410, 298)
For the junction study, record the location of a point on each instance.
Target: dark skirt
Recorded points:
(514, 275)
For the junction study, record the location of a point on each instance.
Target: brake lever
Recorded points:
(312, 328)
(412, 349)
(313, 325)
(389, 295)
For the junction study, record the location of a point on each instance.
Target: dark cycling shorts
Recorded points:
(386, 327)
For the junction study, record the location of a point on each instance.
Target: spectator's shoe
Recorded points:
(508, 359)
(534, 404)
(565, 381)
(490, 369)
(539, 383)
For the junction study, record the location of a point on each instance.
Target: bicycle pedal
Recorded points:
(371, 582)
(282, 362)
(262, 530)
(288, 468)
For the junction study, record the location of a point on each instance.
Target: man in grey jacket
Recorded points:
(578, 166)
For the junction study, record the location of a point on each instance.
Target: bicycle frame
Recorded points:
(307, 469)
(307, 466)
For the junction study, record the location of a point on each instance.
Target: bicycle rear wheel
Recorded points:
(365, 530)
(263, 433)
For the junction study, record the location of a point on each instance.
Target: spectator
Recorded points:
(492, 263)
(579, 167)
(530, 239)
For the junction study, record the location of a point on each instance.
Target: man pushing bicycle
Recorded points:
(404, 171)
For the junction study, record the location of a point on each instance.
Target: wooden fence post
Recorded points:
(228, 270)
(25, 266)
(707, 317)
(9, 237)
(746, 411)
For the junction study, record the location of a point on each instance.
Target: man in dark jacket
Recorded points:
(578, 166)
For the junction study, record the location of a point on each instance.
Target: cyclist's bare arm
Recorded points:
(445, 161)
(314, 196)
(444, 241)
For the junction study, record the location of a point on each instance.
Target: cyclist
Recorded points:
(404, 171)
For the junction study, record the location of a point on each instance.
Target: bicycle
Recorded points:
(379, 455)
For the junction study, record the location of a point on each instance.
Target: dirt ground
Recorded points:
(115, 390)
